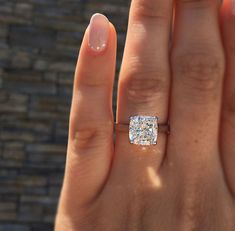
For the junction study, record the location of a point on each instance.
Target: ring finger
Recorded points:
(145, 79)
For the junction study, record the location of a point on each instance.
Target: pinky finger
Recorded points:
(90, 145)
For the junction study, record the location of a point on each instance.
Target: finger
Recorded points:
(228, 113)
(198, 70)
(145, 77)
(90, 145)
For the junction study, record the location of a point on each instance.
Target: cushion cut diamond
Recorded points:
(143, 130)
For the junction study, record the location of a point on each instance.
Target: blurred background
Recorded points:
(39, 44)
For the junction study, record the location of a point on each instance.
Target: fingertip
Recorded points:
(98, 35)
(100, 39)
(90, 59)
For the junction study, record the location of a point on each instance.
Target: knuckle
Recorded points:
(91, 135)
(145, 87)
(199, 72)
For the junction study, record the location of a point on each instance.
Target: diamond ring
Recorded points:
(143, 130)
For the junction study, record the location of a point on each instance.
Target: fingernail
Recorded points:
(98, 32)
(233, 6)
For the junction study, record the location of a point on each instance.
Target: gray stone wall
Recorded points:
(39, 44)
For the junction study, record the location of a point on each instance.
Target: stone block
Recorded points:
(61, 131)
(49, 218)
(3, 96)
(36, 36)
(50, 76)
(40, 65)
(62, 66)
(37, 199)
(9, 197)
(55, 179)
(30, 87)
(46, 167)
(13, 154)
(22, 136)
(13, 19)
(31, 181)
(3, 30)
(35, 190)
(54, 190)
(44, 158)
(64, 51)
(56, 24)
(41, 227)
(23, 9)
(13, 102)
(7, 216)
(6, 7)
(36, 127)
(44, 104)
(21, 60)
(7, 206)
(5, 53)
(22, 75)
(14, 145)
(9, 163)
(18, 97)
(8, 173)
(29, 213)
(65, 90)
(46, 115)
(46, 148)
(70, 37)
(14, 227)
(65, 78)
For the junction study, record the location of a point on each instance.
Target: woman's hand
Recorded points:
(187, 181)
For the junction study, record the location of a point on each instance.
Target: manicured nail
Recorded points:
(233, 6)
(98, 32)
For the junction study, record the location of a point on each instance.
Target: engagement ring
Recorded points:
(143, 130)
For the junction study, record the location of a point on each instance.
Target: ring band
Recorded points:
(143, 130)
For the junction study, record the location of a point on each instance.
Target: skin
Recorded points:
(187, 181)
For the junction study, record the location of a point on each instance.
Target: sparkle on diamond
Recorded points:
(143, 130)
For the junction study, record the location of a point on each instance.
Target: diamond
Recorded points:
(143, 130)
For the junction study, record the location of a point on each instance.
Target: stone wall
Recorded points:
(39, 43)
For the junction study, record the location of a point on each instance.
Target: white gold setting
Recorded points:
(143, 130)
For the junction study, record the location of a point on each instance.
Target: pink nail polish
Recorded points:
(98, 32)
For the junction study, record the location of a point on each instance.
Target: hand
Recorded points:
(187, 181)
